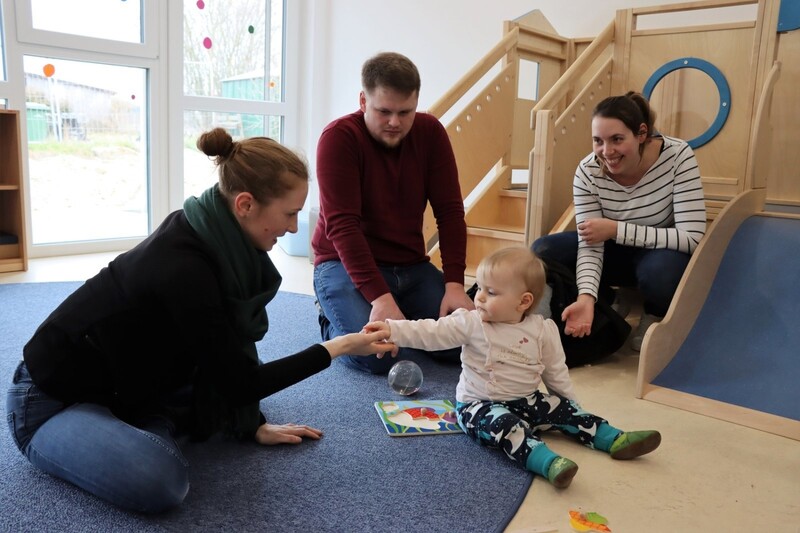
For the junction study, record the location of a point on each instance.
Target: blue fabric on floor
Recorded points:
(357, 478)
(743, 349)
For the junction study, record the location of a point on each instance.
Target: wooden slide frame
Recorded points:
(664, 339)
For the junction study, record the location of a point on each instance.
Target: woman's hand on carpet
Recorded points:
(270, 434)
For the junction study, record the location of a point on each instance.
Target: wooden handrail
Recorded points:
(690, 6)
(565, 82)
(449, 99)
(757, 169)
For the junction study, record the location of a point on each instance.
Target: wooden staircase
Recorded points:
(504, 124)
(499, 227)
(492, 134)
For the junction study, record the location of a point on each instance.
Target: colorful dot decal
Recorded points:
(200, 4)
(207, 42)
(49, 70)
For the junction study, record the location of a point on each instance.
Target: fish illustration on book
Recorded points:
(418, 417)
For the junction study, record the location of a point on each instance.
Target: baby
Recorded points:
(507, 351)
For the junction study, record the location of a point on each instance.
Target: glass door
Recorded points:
(87, 150)
(88, 82)
(233, 77)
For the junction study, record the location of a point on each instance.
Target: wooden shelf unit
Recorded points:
(14, 255)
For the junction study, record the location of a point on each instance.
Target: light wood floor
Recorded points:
(708, 476)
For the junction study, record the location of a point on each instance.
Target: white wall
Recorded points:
(445, 38)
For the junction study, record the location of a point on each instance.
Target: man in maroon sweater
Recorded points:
(377, 169)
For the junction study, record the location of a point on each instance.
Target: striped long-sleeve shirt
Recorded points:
(666, 209)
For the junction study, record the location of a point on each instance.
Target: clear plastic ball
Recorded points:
(405, 377)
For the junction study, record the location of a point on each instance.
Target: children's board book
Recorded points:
(404, 418)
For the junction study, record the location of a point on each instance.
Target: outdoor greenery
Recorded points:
(85, 148)
(237, 46)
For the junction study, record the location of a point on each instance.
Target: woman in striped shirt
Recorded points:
(640, 213)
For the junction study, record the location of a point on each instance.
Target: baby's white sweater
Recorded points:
(499, 361)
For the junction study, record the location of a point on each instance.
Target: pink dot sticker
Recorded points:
(207, 42)
(200, 4)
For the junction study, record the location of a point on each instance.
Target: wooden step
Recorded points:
(498, 231)
(506, 207)
(516, 190)
(512, 207)
(483, 241)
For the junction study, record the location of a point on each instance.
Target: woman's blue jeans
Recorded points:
(137, 468)
(655, 273)
(418, 290)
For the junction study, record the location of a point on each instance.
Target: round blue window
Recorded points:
(718, 79)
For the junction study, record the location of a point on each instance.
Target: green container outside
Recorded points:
(38, 116)
(247, 87)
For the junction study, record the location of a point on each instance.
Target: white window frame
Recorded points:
(22, 39)
(161, 53)
(26, 33)
(180, 102)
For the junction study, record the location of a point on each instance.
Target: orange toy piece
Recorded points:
(579, 522)
(422, 412)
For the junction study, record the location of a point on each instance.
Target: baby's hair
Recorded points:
(258, 165)
(522, 262)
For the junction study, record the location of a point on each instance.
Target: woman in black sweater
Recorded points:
(161, 342)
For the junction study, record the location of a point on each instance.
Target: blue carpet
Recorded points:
(356, 479)
(743, 349)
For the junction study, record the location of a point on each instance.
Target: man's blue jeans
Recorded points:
(655, 273)
(417, 289)
(137, 468)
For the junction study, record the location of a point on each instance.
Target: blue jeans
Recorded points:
(655, 273)
(139, 468)
(417, 289)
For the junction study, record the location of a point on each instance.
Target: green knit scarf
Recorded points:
(249, 281)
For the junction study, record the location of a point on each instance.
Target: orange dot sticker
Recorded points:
(49, 70)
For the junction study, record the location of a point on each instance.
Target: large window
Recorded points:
(87, 91)
(233, 76)
(109, 127)
(87, 150)
(121, 21)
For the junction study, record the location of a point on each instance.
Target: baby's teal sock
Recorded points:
(540, 459)
(605, 436)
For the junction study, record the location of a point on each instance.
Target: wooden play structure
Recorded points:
(666, 340)
(729, 87)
